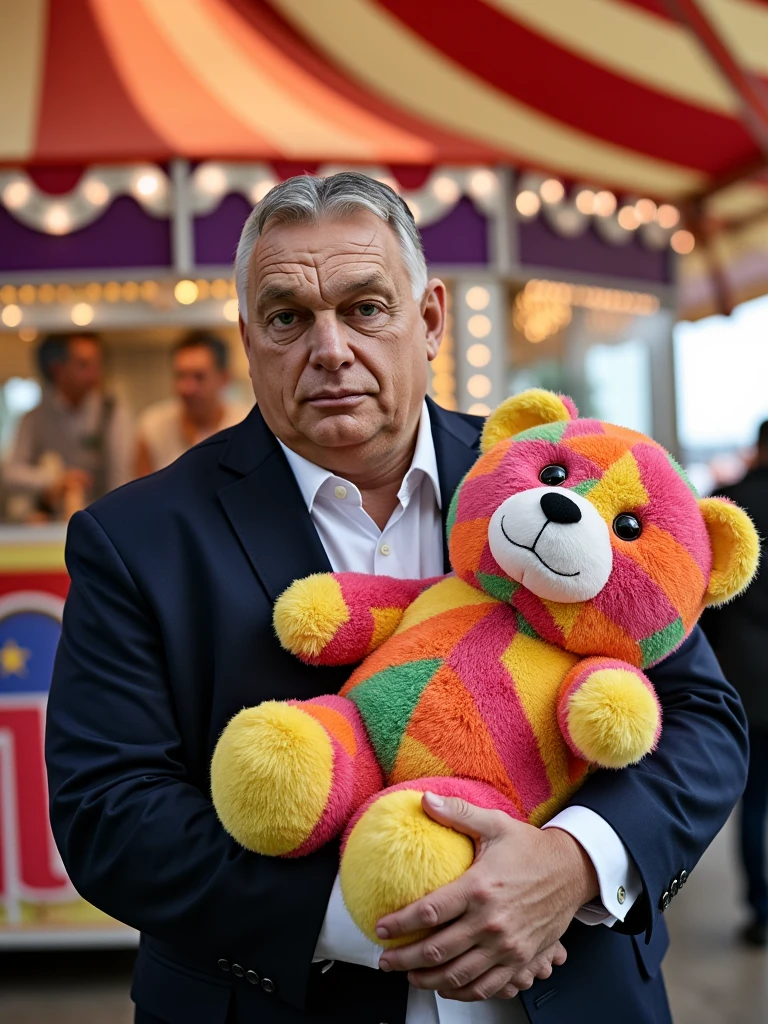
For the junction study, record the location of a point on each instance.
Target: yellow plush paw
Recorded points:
(613, 718)
(270, 777)
(309, 613)
(396, 854)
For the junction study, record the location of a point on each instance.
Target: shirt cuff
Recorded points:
(341, 939)
(617, 873)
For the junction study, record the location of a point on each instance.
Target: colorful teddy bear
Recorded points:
(581, 555)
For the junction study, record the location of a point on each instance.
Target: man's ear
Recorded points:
(735, 549)
(529, 409)
(433, 314)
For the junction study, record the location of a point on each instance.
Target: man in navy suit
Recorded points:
(167, 633)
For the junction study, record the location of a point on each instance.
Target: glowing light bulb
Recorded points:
(16, 194)
(628, 218)
(96, 192)
(57, 220)
(212, 180)
(605, 203)
(552, 191)
(147, 184)
(11, 315)
(477, 297)
(415, 209)
(667, 216)
(479, 409)
(528, 203)
(483, 184)
(479, 386)
(682, 242)
(261, 188)
(645, 210)
(585, 201)
(231, 310)
(185, 292)
(479, 325)
(81, 314)
(445, 189)
(478, 355)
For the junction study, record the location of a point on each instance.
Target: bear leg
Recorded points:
(393, 853)
(286, 776)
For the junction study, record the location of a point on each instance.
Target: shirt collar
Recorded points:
(311, 477)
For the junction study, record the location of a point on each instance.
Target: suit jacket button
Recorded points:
(663, 904)
(223, 965)
(683, 877)
(253, 977)
(268, 985)
(674, 888)
(238, 971)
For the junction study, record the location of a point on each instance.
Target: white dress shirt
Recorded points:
(411, 547)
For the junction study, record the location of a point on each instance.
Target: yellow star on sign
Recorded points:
(13, 659)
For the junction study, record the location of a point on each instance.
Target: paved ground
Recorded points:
(711, 979)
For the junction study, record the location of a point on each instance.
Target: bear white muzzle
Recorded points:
(554, 542)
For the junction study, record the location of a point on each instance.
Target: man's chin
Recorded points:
(340, 430)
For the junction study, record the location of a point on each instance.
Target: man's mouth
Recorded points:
(533, 550)
(333, 398)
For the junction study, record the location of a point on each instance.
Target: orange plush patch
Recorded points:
(670, 566)
(468, 541)
(415, 761)
(599, 448)
(448, 722)
(490, 462)
(594, 632)
(336, 724)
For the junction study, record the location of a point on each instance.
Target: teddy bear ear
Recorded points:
(735, 549)
(531, 408)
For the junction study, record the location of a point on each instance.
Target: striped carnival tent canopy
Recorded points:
(666, 99)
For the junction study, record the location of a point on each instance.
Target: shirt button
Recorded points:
(340, 492)
(385, 549)
(621, 894)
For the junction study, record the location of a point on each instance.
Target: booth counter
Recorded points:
(39, 907)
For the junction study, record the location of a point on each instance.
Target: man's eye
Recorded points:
(367, 309)
(285, 319)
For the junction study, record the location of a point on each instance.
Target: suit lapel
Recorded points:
(457, 443)
(267, 511)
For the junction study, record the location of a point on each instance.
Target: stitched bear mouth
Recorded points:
(533, 550)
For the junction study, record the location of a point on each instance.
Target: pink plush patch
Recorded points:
(536, 614)
(478, 793)
(477, 661)
(583, 428)
(633, 601)
(338, 808)
(570, 405)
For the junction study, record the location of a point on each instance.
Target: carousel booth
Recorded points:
(580, 174)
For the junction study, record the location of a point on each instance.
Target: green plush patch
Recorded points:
(453, 511)
(546, 432)
(387, 700)
(683, 475)
(659, 644)
(524, 627)
(585, 486)
(497, 586)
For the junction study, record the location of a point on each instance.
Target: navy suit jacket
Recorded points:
(167, 633)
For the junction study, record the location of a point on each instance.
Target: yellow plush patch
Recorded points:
(735, 549)
(309, 613)
(415, 761)
(521, 412)
(613, 718)
(270, 777)
(620, 489)
(395, 855)
(385, 622)
(443, 597)
(538, 669)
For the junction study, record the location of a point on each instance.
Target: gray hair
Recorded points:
(308, 198)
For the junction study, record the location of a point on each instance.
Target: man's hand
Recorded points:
(503, 918)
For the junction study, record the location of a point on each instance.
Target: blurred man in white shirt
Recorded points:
(199, 408)
(78, 443)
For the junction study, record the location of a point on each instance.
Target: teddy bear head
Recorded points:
(593, 533)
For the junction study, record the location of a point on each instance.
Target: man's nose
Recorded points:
(328, 345)
(559, 508)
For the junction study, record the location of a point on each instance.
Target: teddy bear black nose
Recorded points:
(560, 509)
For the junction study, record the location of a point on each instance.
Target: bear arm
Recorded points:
(339, 618)
(608, 712)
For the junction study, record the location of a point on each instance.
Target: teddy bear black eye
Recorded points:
(627, 526)
(553, 476)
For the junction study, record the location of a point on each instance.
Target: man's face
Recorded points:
(337, 345)
(82, 371)
(197, 380)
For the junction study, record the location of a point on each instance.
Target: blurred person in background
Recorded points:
(78, 443)
(739, 634)
(200, 376)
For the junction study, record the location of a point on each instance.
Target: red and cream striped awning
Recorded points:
(664, 98)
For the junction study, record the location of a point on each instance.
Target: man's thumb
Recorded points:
(459, 814)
